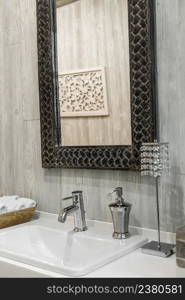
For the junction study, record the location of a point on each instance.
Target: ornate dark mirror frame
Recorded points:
(143, 95)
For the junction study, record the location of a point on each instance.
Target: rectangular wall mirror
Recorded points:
(97, 82)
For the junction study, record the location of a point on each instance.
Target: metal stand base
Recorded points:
(153, 248)
(120, 236)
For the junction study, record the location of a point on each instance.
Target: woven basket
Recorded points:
(16, 217)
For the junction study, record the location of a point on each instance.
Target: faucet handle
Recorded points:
(67, 198)
(75, 197)
(64, 199)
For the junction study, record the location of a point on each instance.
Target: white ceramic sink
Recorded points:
(63, 251)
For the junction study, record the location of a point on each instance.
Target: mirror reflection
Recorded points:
(93, 72)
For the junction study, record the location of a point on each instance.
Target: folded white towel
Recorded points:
(14, 197)
(7, 205)
(23, 203)
(3, 208)
(10, 204)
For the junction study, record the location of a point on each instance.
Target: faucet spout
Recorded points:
(65, 212)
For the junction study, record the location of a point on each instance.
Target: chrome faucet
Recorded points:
(77, 208)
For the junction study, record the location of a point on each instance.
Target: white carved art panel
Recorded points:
(83, 93)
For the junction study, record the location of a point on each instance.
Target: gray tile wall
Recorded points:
(21, 172)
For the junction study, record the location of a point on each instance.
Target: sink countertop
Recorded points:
(134, 264)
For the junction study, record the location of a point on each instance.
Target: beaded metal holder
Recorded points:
(155, 162)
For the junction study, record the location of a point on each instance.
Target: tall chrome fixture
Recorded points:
(77, 208)
(155, 161)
